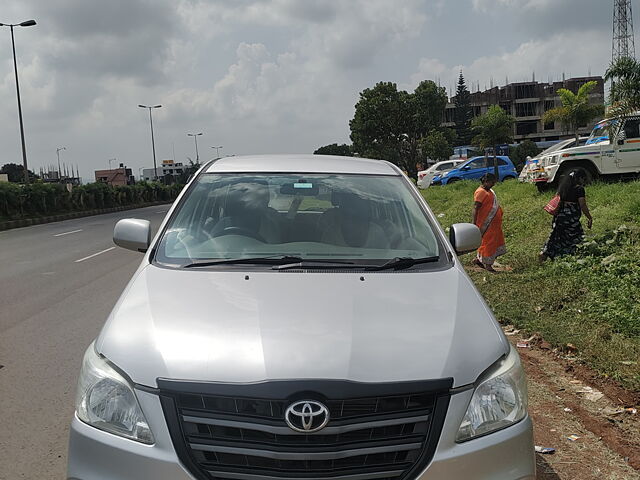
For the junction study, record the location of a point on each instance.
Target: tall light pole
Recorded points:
(217, 148)
(153, 143)
(26, 23)
(195, 139)
(58, 154)
(111, 160)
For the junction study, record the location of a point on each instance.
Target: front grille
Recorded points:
(376, 431)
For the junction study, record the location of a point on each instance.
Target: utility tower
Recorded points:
(623, 42)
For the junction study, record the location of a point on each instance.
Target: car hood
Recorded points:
(204, 325)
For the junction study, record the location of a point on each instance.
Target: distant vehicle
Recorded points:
(599, 156)
(476, 168)
(533, 164)
(425, 176)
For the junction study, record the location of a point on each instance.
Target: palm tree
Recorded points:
(493, 128)
(624, 74)
(575, 109)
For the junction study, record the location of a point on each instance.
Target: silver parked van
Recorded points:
(300, 317)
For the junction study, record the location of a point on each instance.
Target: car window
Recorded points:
(502, 162)
(477, 163)
(444, 166)
(313, 216)
(631, 128)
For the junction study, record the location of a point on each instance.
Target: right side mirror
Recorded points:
(464, 237)
(133, 234)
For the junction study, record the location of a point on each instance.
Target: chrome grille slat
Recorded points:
(287, 431)
(364, 476)
(255, 452)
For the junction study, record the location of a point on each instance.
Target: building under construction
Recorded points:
(527, 102)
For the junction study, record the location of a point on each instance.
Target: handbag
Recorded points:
(553, 207)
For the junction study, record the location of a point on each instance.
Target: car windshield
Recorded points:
(365, 219)
(599, 133)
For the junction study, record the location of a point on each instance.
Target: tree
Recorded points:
(493, 128)
(463, 113)
(15, 172)
(624, 95)
(522, 151)
(436, 146)
(343, 150)
(389, 124)
(375, 127)
(575, 109)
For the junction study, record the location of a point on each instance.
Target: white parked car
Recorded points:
(425, 176)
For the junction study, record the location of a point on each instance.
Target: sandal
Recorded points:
(477, 263)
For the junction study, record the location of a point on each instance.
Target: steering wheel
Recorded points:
(240, 231)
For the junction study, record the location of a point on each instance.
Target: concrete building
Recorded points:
(116, 176)
(527, 102)
(168, 172)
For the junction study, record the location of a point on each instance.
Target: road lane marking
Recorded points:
(95, 254)
(67, 233)
(162, 211)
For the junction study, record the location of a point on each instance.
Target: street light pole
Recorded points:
(27, 23)
(195, 138)
(217, 148)
(153, 143)
(111, 160)
(58, 154)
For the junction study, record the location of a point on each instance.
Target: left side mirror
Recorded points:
(464, 237)
(133, 234)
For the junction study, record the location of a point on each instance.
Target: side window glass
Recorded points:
(632, 128)
(502, 162)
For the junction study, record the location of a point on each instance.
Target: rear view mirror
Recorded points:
(133, 234)
(301, 187)
(465, 237)
(467, 167)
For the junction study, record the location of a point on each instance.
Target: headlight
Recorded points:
(445, 174)
(105, 400)
(497, 402)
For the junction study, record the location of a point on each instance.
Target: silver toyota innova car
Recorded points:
(300, 317)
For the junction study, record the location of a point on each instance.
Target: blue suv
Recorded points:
(475, 168)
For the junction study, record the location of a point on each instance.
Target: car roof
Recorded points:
(303, 163)
(504, 157)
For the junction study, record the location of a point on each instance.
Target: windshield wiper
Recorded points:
(400, 263)
(312, 263)
(270, 260)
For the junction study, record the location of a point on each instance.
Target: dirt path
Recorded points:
(565, 399)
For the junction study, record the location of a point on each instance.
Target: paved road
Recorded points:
(58, 283)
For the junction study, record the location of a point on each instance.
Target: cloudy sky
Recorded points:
(260, 76)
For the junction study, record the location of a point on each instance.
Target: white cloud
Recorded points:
(489, 5)
(573, 54)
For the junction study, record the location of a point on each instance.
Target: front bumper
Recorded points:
(97, 455)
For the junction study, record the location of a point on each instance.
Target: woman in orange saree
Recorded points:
(487, 216)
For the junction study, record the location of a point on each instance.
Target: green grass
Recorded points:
(592, 299)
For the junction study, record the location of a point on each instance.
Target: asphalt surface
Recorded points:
(58, 283)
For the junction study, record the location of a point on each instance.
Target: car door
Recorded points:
(504, 168)
(628, 147)
(476, 168)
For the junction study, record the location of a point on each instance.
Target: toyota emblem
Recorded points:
(307, 416)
